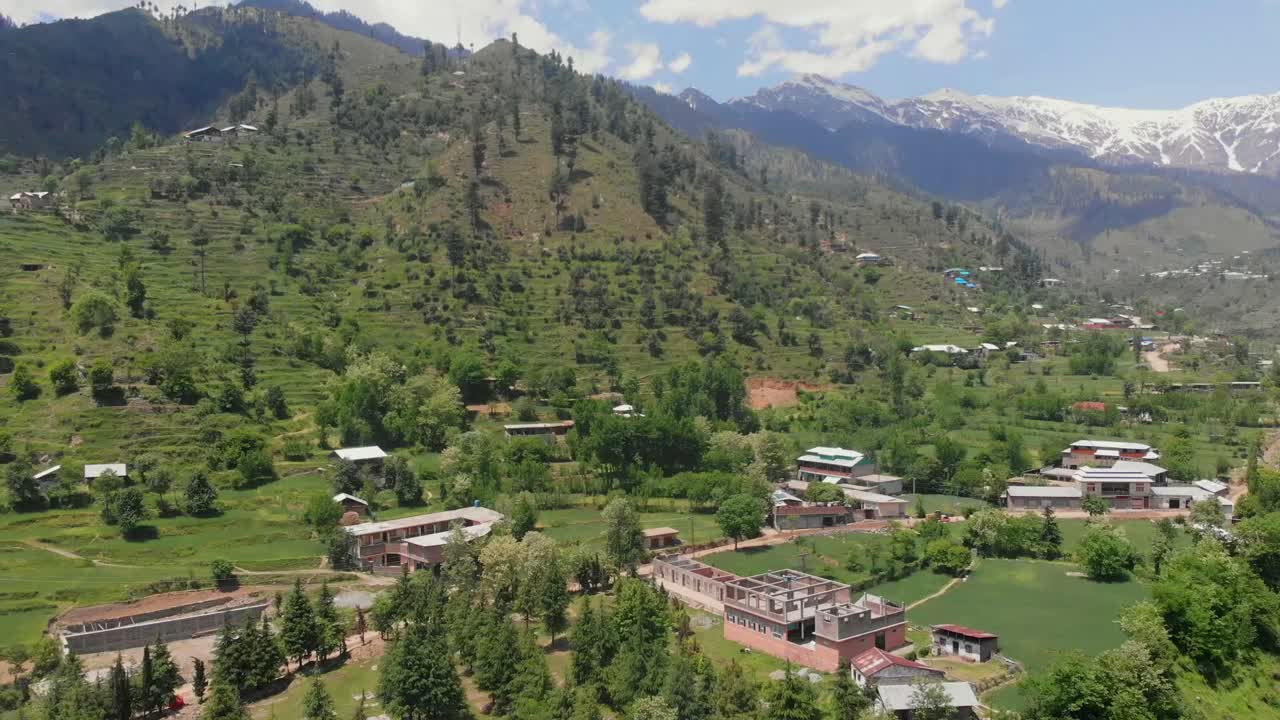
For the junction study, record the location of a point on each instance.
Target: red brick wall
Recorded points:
(894, 638)
(821, 658)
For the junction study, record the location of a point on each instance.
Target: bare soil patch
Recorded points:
(766, 392)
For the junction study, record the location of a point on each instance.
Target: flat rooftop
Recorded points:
(786, 582)
(473, 514)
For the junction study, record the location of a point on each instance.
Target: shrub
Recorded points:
(296, 449)
(222, 571)
(64, 377)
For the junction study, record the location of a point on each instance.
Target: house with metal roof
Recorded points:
(876, 667)
(93, 472)
(819, 463)
(1038, 497)
(416, 542)
(900, 700)
(1105, 453)
(964, 642)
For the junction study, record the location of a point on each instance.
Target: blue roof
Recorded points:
(959, 281)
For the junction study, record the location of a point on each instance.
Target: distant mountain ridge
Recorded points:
(1240, 134)
(343, 20)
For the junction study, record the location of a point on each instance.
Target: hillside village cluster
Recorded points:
(812, 622)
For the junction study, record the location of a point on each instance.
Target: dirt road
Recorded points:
(1156, 359)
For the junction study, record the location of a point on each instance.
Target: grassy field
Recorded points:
(344, 683)
(1139, 532)
(1038, 610)
(825, 556)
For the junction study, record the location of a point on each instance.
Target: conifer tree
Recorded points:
(268, 656)
(495, 672)
(737, 696)
(166, 678)
(418, 680)
(330, 634)
(224, 703)
(555, 599)
(145, 692)
(121, 693)
(792, 698)
(846, 701)
(199, 683)
(362, 625)
(317, 704)
(532, 685)
(298, 629)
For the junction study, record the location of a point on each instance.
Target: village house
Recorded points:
(691, 575)
(661, 537)
(417, 541)
(47, 478)
(1105, 453)
(352, 504)
(876, 667)
(370, 457)
(946, 349)
(207, 133)
(809, 620)
(234, 131)
(862, 504)
(93, 472)
(820, 463)
(900, 700)
(868, 258)
(1182, 497)
(809, 516)
(1125, 489)
(545, 431)
(877, 483)
(1038, 497)
(29, 200)
(965, 643)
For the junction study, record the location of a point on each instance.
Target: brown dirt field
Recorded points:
(152, 603)
(766, 392)
(498, 409)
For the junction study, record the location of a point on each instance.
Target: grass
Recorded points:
(709, 632)
(344, 683)
(1038, 610)
(1141, 533)
(825, 556)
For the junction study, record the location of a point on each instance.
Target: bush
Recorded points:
(947, 556)
(22, 384)
(94, 310)
(64, 376)
(1105, 553)
(222, 571)
(296, 449)
(255, 468)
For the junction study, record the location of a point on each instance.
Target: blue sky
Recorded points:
(1132, 53)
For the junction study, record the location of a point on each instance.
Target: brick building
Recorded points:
(417, 541)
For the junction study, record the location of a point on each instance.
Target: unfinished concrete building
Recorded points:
(809, 620)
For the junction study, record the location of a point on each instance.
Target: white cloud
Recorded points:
(646, 59)
(843, 36)
(681, 63)
(999, 4)
(664, 88)
(479, 21)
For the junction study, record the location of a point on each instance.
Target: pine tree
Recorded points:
(792, 698)
(121, 693)
(224, 703)
(555, 599)
(267, 654)
(198, 680)
(362, 625)
(585, 664)
(690, 684)
(1050, 536)
(532, 683)
(846, 701)
(165, 676)
(331, 635)
(317, 704)
(495, 672)
(146, 688)
(298, 629)
(737, 696)
(418, 680)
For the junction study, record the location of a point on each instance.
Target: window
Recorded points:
(968, 648)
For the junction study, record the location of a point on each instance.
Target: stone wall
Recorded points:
(128, 634)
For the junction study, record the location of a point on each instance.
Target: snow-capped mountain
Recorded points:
(828, 102)
(1239, 134)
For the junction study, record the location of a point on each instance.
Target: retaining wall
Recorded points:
(137, 634)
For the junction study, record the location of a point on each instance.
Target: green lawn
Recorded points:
(1140, 532)
(709, 631)
(1039, 611)
(344, 683)
(825, 556)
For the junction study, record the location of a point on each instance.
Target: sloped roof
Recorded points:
(340, 497)
(660, 532)
(1042, 491)
(900, 697)
(966, 632)
(369, 452)
(92, 472)
(874, 660)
